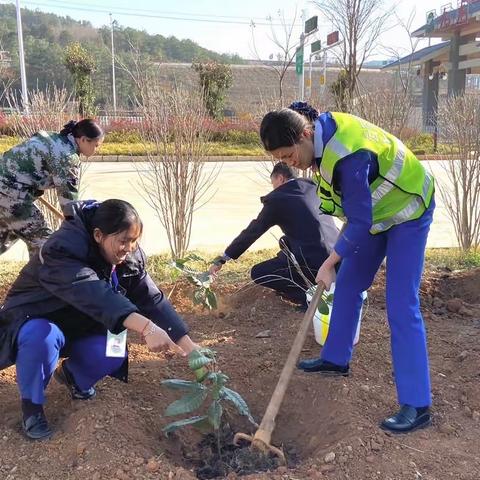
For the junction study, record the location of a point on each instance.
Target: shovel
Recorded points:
(263, 435)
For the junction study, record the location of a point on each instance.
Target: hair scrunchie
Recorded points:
(303, 108)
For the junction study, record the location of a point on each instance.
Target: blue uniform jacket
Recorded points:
(352, 178)
(70, 284)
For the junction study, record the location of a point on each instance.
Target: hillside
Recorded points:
(46, 35)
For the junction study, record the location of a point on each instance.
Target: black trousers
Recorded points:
(280, 275)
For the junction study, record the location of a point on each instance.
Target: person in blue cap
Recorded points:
(369, 178)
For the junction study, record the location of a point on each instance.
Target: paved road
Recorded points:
(234, 204)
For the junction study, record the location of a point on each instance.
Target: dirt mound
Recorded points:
(329, 427)
(463, 285)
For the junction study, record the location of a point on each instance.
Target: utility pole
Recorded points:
(21, 57)
(309, 27)
(301, 76)
(114, 92)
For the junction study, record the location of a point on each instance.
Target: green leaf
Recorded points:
(201, 374)
(323, 308)
(210, 299)
(194, 280)
(215, 412)
(180, 264)
(218, 379)
(237, 400)
(196, 359)
(208, 352)
(171, 427)
(189, 403)
(205, 279)
(194, 257)
(198, 297)
(180, 384)
(204, 426)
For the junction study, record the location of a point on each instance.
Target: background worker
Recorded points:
(46, 160)
(368, 176)
(294, 206)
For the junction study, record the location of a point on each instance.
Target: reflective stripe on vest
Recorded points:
(392, 175)
(400, 217)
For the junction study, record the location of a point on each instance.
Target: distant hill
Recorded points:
(46, 35)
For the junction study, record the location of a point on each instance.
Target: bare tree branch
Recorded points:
(459, 121)
(360, 23)
(176, 182)
(286, 48)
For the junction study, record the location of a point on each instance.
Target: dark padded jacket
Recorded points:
(69, 283)
(295, 208)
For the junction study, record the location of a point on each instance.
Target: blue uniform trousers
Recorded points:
(404, 248)
(39, 343)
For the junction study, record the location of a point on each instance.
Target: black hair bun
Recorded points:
(68, 127)
(303, 108)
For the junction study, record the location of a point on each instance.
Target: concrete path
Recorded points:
(234, 204)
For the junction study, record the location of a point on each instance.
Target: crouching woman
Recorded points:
(76, 299)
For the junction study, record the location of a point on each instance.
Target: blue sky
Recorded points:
(220, 25)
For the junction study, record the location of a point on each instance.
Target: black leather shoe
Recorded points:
(407, 419)
(36, 427)
(63, 376)
(317, 365)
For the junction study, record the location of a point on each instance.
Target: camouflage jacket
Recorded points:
(46, 160)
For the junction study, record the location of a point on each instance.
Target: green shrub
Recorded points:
(236, 137)
(421, 143)
(123, 137)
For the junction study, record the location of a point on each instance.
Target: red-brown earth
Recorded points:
(329, 426)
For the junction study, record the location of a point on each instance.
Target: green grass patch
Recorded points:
(212, 148)
(452, 258)
(237, 271)
(233, 271)
(227, 149)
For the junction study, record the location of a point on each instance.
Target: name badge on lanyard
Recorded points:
(116, 344)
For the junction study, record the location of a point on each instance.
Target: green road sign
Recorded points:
(311, 24)
(316, 46)
(299, 61)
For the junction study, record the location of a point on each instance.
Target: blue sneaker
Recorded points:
(35, 427)
(62, 375)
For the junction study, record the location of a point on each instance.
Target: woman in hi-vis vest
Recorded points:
(368, 177)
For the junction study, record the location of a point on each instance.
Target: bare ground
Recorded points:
(118, 434)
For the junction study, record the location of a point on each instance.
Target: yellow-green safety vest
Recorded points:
(403, 189)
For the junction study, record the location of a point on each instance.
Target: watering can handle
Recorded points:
(264, 432)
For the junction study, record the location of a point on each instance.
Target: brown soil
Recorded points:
(328, 426)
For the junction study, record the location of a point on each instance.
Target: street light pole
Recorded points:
(301, 77)
(21, 57)
(112, 24)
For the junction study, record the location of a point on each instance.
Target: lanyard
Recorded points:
(114, 280)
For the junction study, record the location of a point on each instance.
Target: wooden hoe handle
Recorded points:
(263, 435)
(48, 205)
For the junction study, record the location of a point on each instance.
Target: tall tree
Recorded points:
(82, 65)
(360, 23)
(215, 79)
